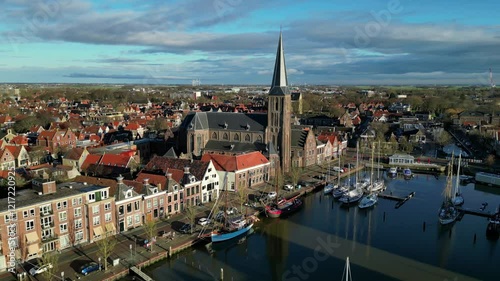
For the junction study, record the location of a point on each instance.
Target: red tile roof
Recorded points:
(237, 162)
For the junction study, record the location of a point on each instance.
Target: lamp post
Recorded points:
(99, 263)
(62, 275)
(135, 246)
(130, 252)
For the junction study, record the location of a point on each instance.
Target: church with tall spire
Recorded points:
(238, 133)
(279, 110)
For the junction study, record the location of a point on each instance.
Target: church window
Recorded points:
(236, 137)
(259, 138)
(214, 135)
(225, 136)
(247, 137)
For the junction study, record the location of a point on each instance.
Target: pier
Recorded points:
(401, 200)
(475, 212)
(141, 274)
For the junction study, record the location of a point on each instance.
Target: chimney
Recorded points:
(186, 170)
(119, 179)
(169, 176)
(146, 182)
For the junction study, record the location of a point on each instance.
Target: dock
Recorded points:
(401, 200)
(475, 212)
(141, 274)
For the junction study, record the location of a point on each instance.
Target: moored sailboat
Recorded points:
(448, 213)
(371, 199)
(458, 199)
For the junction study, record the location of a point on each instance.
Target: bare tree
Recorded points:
(150, 227)
(490, 160)
(52, 259)
(105, 247)
(295, 174)
(242, 194)
(71, 231)
(443, 138)
(191, 215)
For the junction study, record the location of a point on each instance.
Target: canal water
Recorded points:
(382, 243)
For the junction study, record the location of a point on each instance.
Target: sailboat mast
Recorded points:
(457, 180)
(371, 173)
(357, 161)
(338, 175)
(378, 161)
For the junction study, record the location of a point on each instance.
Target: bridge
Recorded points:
(141, 274)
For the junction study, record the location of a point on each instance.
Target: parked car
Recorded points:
(288, 187)
(147, 243)
(203, 221)
(186, 228)
(231, 210)
(272, 194)
(37, 269)
(89, 268)
(337, 169)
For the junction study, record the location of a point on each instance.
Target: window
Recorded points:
(236, 137)
(78, 212)
(169, 199)
(247, 138)
(209, 170)
(77, 201)
(149, 204)
(107, 217)
(214, 176)
(129, 207)
(206, 178)
(25, 214)
(188, 191)
(155, 202)
(78, 223)
(95, 209)
(129, 221)
(32, 212)
(104, 194)
(46, 222)
(120, 210)
(30, 225)
(96, 220)
(62, 205)
(79, 235)
(214, 135)
(91, 197)
(63, 228)
(161, 201)
(107, 206)
(225, 136)
(137, 205)
(46, 209)
(63, 216)
(137, 218)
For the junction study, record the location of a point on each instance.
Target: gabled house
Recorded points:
(75, 157)
(201, 170)
(54, 138)
(242, 171)
(7, 158)
(154, 199)
(20, 154)
(109, 165)
(129, 206)
(303, 147)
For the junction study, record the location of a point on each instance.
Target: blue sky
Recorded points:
(234, 41)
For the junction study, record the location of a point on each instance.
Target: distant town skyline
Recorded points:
(392, 42)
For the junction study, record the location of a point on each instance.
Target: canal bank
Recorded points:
(383, 243)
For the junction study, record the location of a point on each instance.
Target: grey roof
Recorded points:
(235, 147)
(279, 86)
(170, 153)
(30, 197)
(122, 190)
(270, 149)
(231, 121)
(299, 138)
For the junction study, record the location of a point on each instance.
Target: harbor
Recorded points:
(367, 236)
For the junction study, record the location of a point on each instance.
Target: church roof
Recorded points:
(234, 147)
(231, 121)
(279, 85)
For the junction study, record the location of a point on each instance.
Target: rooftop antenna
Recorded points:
(492, 84)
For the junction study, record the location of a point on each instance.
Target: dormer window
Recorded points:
(175, 187)
(247, 127)
(225, 125)
(154, 190)
(128, 194)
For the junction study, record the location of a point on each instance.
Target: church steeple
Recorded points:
(279, 110)
(279, 86)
